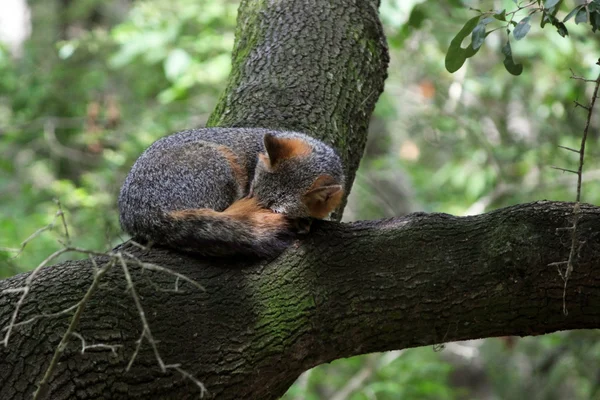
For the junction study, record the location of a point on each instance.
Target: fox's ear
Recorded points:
(279, 149)
(323, 197)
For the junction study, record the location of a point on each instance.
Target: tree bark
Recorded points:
(343, 290)
(346, 289)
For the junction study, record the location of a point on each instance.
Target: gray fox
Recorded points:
(229, 191)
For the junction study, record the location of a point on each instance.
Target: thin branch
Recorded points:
(33, 236)
(40, 316)
(25, 290)
(578, 104)
(64, 221)
(43, 387)
(189, 376)
(572, 171)
(576, 208)
(158, 268)
(580, 78)
(77, 309)
(112, 347)
(138, 346)
(146, 332)
(568, 148)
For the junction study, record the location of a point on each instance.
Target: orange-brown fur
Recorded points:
(233, 160)
(284, 148)
(319, 206)
(246, 209)
(193, 213)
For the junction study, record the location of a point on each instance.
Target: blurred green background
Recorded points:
(86, 85)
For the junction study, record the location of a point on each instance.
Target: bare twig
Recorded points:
(580, 78)
(112, 347)
(24, 290)
(40, 316)
(146, 332)
(122, 258)
(61, 213)
(34, 235)
(568, 148)
(564, 169)
(158, 268)
(573, 252)
(60, 349)
(189, 376)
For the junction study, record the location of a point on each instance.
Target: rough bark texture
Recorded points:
(318, 67)
(347, 289)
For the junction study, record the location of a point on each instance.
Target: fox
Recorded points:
(230, 191)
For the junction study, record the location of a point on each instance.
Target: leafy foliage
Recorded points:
(75, 114)
(588, 12)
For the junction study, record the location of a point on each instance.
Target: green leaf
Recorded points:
(572, 13)
(561, 28)
(522, 28)
(582, 16)
(509, 63)
(554, 10)
(550, 3)
(456, 55)
(479, 35)
(500, 15)
(455, 58)
(543, 20)
(595, 20)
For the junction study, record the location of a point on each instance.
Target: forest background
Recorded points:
(95, 82)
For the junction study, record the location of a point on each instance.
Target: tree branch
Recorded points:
(346, 289)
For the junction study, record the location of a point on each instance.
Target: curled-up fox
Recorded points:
(229, 191)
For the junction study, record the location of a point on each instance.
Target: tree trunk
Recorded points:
(345, 289)
(316, 67)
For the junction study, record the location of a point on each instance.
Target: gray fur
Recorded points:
(187, 171)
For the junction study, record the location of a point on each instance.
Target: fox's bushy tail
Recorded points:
(244, 228)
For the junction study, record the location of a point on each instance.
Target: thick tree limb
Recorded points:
(346, 289)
